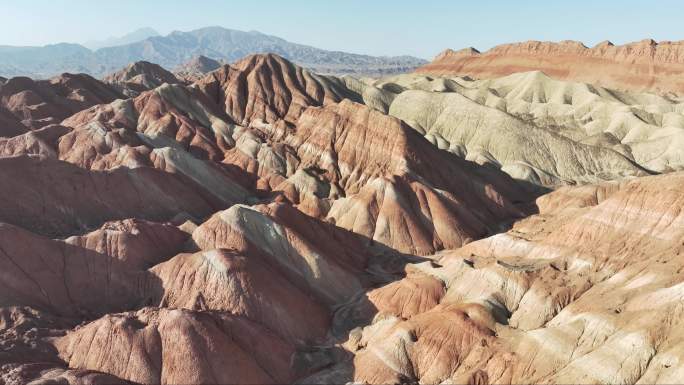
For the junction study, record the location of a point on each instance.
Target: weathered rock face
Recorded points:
(42, 141)
(71, 199)
(639, 66)
(50, 374)
(168, 116)
(61, 278)
(138, 244)
(10, 125)
(26, 356)
(340, 150)
(36, 104)
(424, 348)
(195, 69)
(284, 232)
(23, 330)
(394, 194)
(160, 346)
(326, 261)
(172, 128)
(540, 130)
(268, 87)
(548, 300)
(415, 294)
(372, 174)
(242, 285)
(139, 77)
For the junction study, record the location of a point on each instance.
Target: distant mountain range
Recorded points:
(132, 37)
(179, 47)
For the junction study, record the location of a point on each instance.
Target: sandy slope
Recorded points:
(538, 129)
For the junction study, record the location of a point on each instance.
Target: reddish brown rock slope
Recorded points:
(301, 215)
(268, 87)
(639, 66)
(596, 272)
(139, 77)
(38, 103)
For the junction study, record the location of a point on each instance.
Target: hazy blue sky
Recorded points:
(378, 27)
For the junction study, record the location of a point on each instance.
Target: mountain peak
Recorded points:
(195, 68)
(176, 48)
(131, 37)
(140, 76)
(450, 53)
(204, 63)
(604, 44)
(142, 67)
(278, 88)
(261, 58)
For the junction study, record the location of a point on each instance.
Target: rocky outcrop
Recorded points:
(544, 131)
(265, 226)
(61, 278)
(137, 244)
(423, 348)
(160, 346)
(415, 294)
(342, 160)
(195, 68)
(39, 103)
(42, 142)
(328, 262)
(139, 77)
(71, 199)
(171, 116)
(268, 87)
(26, 356)
(546, 300)
(171, 128)
(10, 125)
(639, 66)
(393, 194)
(242, 285)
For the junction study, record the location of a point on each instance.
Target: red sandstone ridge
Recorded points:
(161, 346)
(52, 197)
(270, 225)
(35, 104)
(269, 88)
(196, 68)
(517, 307)
(640, 66)
(140, 76)
(386, 171)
